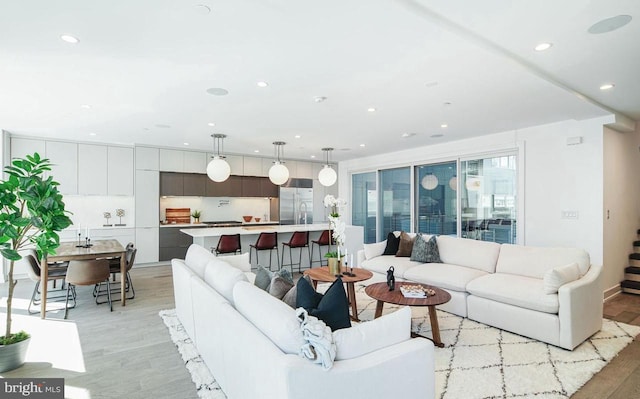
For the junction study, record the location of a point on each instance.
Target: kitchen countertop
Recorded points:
(200, 225)
(253, 229)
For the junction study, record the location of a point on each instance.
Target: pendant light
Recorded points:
(218, 169)
(453, 183)
(429, 182)
(327, 175)
(278, 173)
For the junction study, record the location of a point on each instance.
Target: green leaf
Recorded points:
(10, 254)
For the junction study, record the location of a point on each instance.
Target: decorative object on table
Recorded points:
(257, 219)
(337, 228)
(120, 214)
(416, 291)
(196, 216)
(247, 219)
(107, 215)
(327, 175)
(22, 196)
(348, 265)
(218, 169)
(278, 173)
(391, 279)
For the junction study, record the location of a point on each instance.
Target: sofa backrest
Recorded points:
(481, 255)
(535, 261)
(222, 277)
(197, 258)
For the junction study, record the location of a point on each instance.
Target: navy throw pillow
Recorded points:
(332, 307)
(393, 243)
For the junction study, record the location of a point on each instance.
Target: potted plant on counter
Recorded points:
(196, 216)
(31, 213)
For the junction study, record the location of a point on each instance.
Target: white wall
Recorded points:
(552, 177)
(621, 205)
(88, 210)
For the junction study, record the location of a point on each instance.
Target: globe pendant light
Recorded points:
(278, 173)
(429, 182)
(453, 183)
(327, 175)
(218, 169)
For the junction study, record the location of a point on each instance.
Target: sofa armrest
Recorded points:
(402, 370)
(580, 310)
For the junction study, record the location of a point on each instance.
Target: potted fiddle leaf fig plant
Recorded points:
(31, 213)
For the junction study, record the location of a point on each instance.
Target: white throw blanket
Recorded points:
(320, 347)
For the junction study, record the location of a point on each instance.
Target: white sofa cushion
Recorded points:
(238, 261)
(222, 277)
(535, 261)
(559, 276)
(380, 264)
(375, 249)
(521, 291)
(370, 336)
(443, 275)
(274, 318)
(197, 258)
(481, 255)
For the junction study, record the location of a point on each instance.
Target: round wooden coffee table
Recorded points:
(381, 293)
(322, 274)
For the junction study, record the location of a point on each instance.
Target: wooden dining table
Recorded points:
(68, 251)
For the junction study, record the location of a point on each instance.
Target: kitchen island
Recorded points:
(208, 238)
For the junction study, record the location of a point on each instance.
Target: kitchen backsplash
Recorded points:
(218, 208)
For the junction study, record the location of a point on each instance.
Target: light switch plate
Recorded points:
(569, 214)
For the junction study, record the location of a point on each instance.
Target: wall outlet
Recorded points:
(569, 214)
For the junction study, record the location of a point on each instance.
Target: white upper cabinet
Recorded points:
(267, 163)
(120, 171)
(195, 162)
(236, 162)
(92, 169)
(292, 166)
(253, 166)
(147, 158)
(146, 199)
(64, 169)
(171, 160)
(305, 170)
(22, 147)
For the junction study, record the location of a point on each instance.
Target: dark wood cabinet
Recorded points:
(252, 186)
(269, 189)
(232, 187)
(195, 184)
(171, 183)
(173, 243)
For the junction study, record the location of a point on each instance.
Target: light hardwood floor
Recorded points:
(128, 353)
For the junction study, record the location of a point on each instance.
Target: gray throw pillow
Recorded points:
(290, 297)
(280, 286)
(419, 251)
(264, 277)
(433, 254)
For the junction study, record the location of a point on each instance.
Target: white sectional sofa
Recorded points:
(250, 340)
(504, 286)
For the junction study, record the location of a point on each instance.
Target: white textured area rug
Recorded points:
(478, 361)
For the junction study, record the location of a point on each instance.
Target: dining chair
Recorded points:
(266, 241)
(88, 272)
(299, 239)
(32, 265)
(114, 269)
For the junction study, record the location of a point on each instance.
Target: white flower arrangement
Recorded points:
(336, 224)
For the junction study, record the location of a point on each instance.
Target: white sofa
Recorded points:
(249, 340)
(503, 286)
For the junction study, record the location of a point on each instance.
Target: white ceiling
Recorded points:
(144, 67)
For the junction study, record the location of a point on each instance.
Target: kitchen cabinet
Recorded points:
(22, 147)
(173, 243)
(147, 243)
(195, 184)
(252, 186)
(171, 184)
(171, 160)
(304, 170)
(267, 163)
(236, 163)
(120, 171)
(92, 169)
(147, 158)
(269, 189)
(64, 169)
(253, 167)
(146, 199)
(194, 162)
(232, 187)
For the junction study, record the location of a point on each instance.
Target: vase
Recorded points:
(12, 356)
(335, 266)
(196, 220)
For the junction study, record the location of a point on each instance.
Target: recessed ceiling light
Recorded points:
(256, 150)
(319, 99)
(85, 106)
(162, 126)
(543, 46)
(297, 136)
(185, 143)
(93, 134)
(609, 24)
(211, 124)
(444, 125)
(607, 86)
(70, 39)
(437, 135)
(313, 156)
(371, 109)
(217, 91)
(262, 84)
(405, 135)
(362, 145)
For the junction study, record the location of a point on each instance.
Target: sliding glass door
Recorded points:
(488, 199)
(395, 201)
(436, 198)
(364, 200)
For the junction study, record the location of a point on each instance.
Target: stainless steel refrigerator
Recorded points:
(296, 202)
